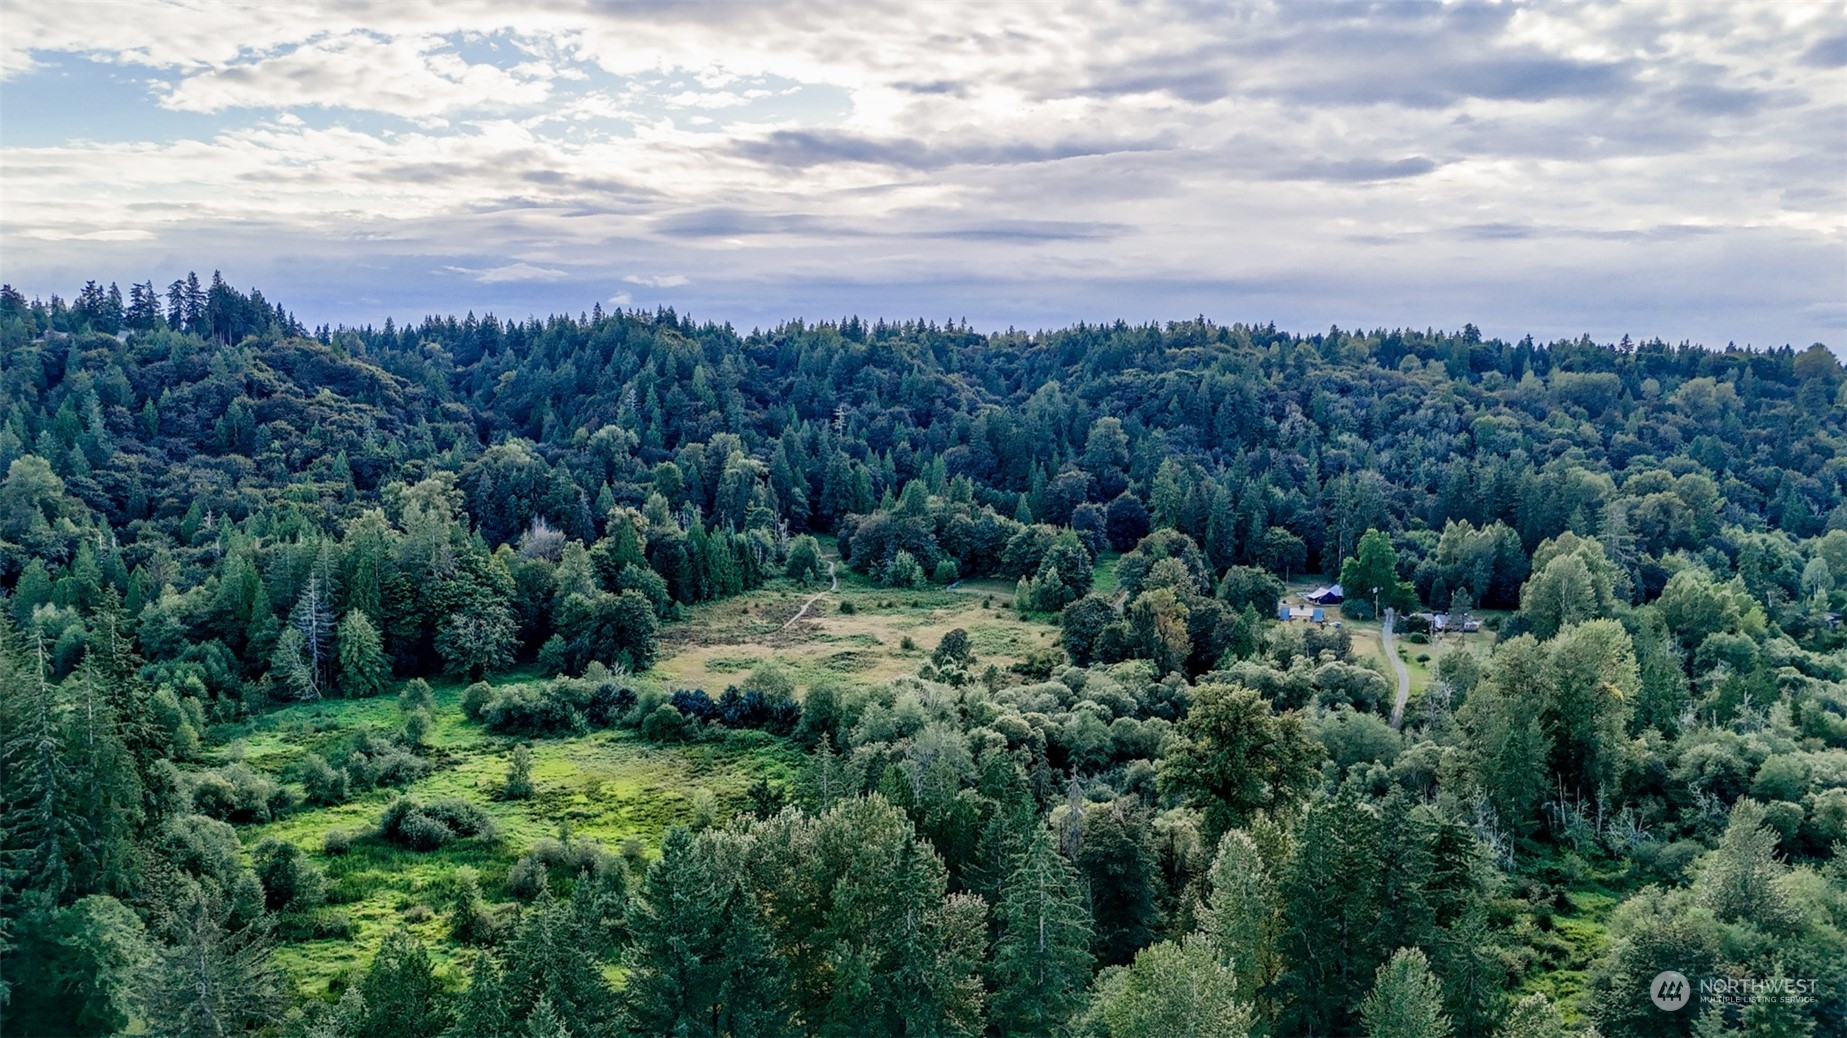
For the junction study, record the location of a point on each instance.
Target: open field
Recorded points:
(608, 786)
(720, 642)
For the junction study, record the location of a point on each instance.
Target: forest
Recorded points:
(624, 674)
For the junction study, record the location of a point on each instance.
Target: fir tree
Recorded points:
(1042, 960)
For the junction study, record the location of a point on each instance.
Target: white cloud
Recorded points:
(405, 76)
(520, 271)
(658, 281)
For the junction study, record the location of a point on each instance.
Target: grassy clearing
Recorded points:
(719, 642)
(607, 786)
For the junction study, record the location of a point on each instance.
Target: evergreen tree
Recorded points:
(547, 958)
(1330, 908)
(1242, 913)
(1042, 959)
(1406, 1000)
(211, 979)
(363, 670)
(482, 1007)
(402, 995)
(40, 832)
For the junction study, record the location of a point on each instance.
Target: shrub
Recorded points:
(417, 726)
(551, 708)
(946, 572)
(519, 776)
(475, 699)
(665, 724)
(235, 793)
(608, 703)
(416, 696)
(372, 761)
(290, 881)
(554, 655)
(336, 842)
(694, 703)
(1039, 664)
(325, 784)
(423, 827)
(550, 859)
(847, 607)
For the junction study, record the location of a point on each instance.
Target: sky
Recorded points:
(1670, 169)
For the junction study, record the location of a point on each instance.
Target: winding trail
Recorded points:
(833, 585)
(1404, 673)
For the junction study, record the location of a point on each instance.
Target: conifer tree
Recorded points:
(402, 995)
(1042, 960)
(1406, 1000)
(482, 1006)
(363, 669)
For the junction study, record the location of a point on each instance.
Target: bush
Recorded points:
(1039, 664)
(519, 776)
(290, 881)
(551, 708)
(373, 762)
(907, 643)
(665, 724)
(847, 607)
(753, 709)
(608, 703)
(694, 703)
(416, 696)
(475, 699)
(336, 842)
(946, 572)
(235, 793)
(423, 827)
(417, 725)
(550, 859)
(325, 784)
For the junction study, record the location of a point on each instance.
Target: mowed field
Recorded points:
(719, 643)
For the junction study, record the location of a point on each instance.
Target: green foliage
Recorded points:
(424, 826)
(1371, 575)
(403, 997)
(1406, 1000)
(1042, 959)
(363, 670)
(1171, 989)
(1233, 757)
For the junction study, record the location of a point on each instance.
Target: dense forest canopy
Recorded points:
(209, 511)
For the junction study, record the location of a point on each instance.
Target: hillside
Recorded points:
(625, 674)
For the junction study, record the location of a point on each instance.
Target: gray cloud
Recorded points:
(1669, 169)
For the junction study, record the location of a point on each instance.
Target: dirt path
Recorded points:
(833, 585)
(1404, 673)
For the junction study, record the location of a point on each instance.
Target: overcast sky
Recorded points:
(1674, 169)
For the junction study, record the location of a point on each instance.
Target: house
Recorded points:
(1440, 622)
(1287, 612)
(1327, 595)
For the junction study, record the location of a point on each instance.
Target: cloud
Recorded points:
(1026, 162)
(520, 271)
(408, 77)
(803, 148)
